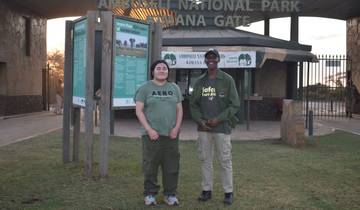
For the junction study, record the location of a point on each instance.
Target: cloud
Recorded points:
(328, 36)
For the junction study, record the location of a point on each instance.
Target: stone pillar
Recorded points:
(291, 85)
(292, 124)
(291, 81)
(353, 51)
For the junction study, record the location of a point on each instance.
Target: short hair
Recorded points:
(152, 67)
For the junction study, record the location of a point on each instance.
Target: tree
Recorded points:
(55, 80)
(55, 60)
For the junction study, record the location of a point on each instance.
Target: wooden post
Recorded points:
(156, 37)
(248, 93)
(68, 71)
(112, 122)
(76, 134)
(267, 27)
(105, 106)
(89, 99)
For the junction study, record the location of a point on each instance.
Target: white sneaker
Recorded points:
(149, 200)
(171, 200)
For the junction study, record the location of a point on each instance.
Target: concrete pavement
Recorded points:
(18, 128)
(351, 125)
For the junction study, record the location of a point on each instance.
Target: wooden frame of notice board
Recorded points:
(89, 61)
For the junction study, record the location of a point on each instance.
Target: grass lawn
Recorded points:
(325, 175)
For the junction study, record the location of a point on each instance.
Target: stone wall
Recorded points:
(270, 83)
(20, 71)
(270, 80)
(353, 51)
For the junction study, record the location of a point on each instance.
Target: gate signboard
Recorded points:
(195, 60)
(79, 62)
(131, 60)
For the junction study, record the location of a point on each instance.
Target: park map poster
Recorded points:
(79, 65)
(131, 61)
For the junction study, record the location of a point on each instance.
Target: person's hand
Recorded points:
(212, 122)
(174, 133)
(203, 126)
(153, 134)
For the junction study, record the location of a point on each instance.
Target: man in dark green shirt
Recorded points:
(214, 103)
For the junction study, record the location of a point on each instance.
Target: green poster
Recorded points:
(79, 63)
(131, 61)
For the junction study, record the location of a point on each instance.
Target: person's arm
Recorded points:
(195, 108)
(153, 134)
(179, 116)
(195, 104)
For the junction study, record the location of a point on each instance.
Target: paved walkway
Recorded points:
(18, 128)
(351, 125)
(258, 130)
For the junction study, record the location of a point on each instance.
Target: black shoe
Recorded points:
(228, 199)
(205, 195)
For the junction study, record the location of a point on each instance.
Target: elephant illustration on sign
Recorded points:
(245, 60)
(170, 59)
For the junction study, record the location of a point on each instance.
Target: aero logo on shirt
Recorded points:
(162, 93)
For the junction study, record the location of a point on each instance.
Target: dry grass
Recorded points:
(325, 175)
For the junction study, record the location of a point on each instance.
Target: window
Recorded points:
(27, 35)
(3, 78)
(186, 78)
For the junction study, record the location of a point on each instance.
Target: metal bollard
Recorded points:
(311, 122)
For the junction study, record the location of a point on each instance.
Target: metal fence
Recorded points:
(49, 85)
(325, 86)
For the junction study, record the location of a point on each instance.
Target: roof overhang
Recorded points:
(187, 36)
(338, 9)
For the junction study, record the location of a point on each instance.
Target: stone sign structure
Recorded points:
(292, 124)
(353, 51)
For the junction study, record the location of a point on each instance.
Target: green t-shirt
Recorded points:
(159, 105)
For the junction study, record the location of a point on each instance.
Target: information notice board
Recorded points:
(79, 62)
(131, 61)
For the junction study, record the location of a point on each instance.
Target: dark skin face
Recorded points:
(212, 64)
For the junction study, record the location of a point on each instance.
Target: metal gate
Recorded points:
(325, 86)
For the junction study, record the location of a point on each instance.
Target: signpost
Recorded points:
(195, 60)
(131, 63)
(79, 62)
(125, 48)
(247, 89)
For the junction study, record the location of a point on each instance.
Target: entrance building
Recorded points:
(273, 76)
(23, 45)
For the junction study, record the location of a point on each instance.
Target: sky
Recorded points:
(327, 36)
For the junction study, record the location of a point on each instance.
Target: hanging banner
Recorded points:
(195, 60)
(79, 64)
(131, 60)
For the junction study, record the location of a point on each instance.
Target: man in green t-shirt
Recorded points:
(213, 104)
(159, 110)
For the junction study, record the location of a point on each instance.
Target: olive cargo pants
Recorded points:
(162, 152)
